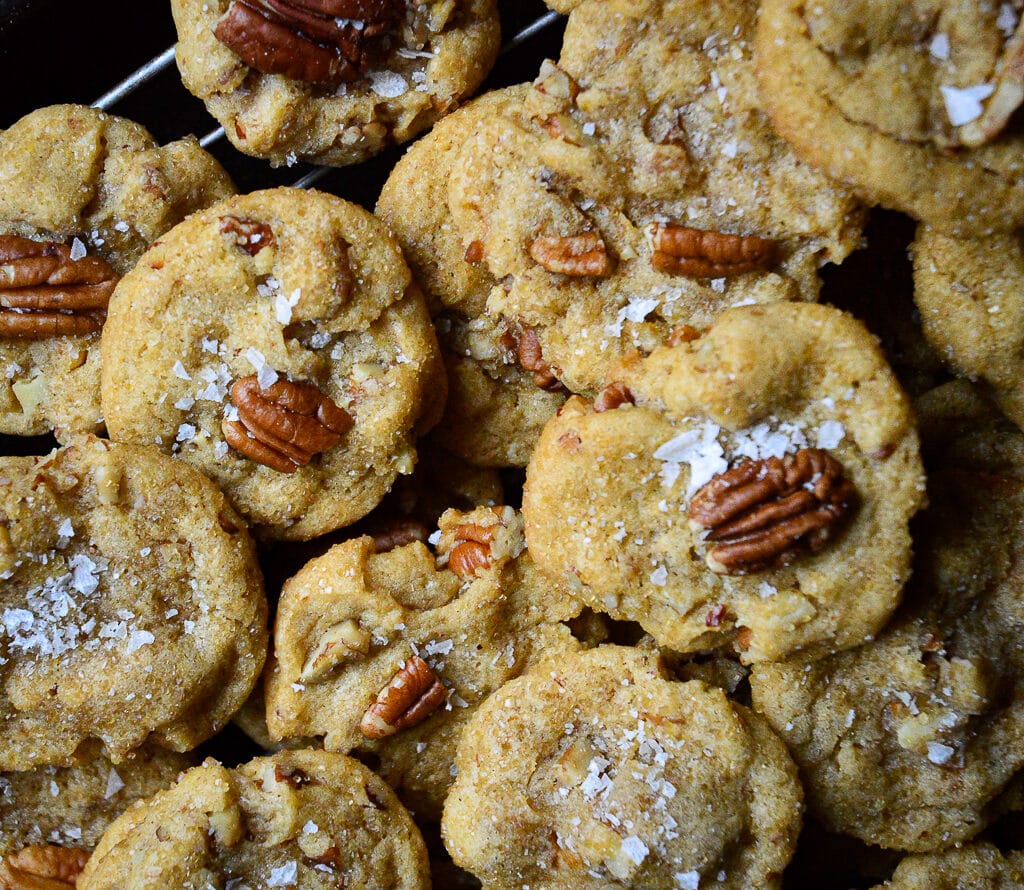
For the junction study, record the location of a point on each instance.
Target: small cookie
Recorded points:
(277, 343)
(496, 407)
(639, 186)
(355, 625)
(978, 866)
(82, 194)
(725, 494)
(131, 607)
(69, 808)
(303, 819)
(909, 741)
(332, 81)
(970, 293)
(908, 103)
(595, 771)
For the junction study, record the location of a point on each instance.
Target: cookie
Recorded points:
(969, 293)
(664, 501)
(638, 187)
(82, 194)
(496, 409)
(392, 652)
(303, 819)
(941, 145)
(978, 866)
(594, 770)
(276, 343)
(51, 816)
(910, 740)
(332, 81)
(131, 609)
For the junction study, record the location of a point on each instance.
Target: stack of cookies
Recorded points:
(560, 525)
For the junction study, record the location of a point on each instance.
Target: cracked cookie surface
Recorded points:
(132, 606)
(595, 770)
(100, 188)
(285, 321)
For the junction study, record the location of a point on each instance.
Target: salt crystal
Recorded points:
(283, 305)
(285, 876)
(939, 753)
(138, 639)
(186, 433)
(1007, 19)
(66, 530)
(310, 827)
(964, 105)
(700, 449)
(635, 849)
(388, 84)
(180, 372)
(78, 250)
(689, 880)
(939, 47)
(659, 576)
(830, 434)
(114, 784)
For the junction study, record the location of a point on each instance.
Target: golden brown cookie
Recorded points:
(728, 495)
(332, 81)
(910, 740)
(912, 103)
(277, 343)
(131, 608)
(595, 771)
(302, 819)
(392, 652)
(82, 194)
(978, 866)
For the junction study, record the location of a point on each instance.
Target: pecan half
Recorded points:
(578, 256)
(413, 694)
(1007, 98)
(42, 868)
(44, 293)
(528, 352)
(398, 533)
(763, 513)
(613, 396)
(250, 235)
(316, 41)
(284, 425)
(680, 250)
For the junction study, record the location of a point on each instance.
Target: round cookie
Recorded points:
(303, 819)
(638, 187)
(372, 74)
(970, 293)
(935, 146)
(978, 866)
(495, 409)
(90, 192)
(595, 770)
(51, 818)
(357, 622)
(131, 609)
(724, 494)
(909, 741)
(277, 343)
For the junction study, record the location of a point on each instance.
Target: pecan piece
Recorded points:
(398, 533)
(613, 396)
(680, 250)
(683, 334)
(45, 293)
(308, 40)
(250, 234)
(42, 868)
(284, 425)
(528, 352)
(764, 513)
(578, 256)
(345, 641)
(1007, 98)
(413, 694)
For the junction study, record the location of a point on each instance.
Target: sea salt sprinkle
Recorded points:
(963, 105)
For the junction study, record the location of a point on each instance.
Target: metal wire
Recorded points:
(154, 66)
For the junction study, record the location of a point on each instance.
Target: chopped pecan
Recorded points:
(763, 513)
(398, 533)
(680, 250)
(341, 642)
(613, 396)
(284, 425)
(474, 252)
(413, 694)
(583, 255)
(683, 334)
(307, 40)
(556, 82)
(468, 556)
(1007, 98)
(250, 234)
(45, 293)
(528, 352)
(42, 868)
